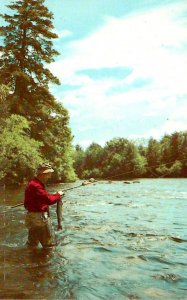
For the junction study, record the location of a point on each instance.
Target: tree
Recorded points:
(93, 156)
(153, 156)
(93, 161)
(79, 156)
(122, 159)
(4, 105)
(165, 149)
(20, 155)
(113, 154)
(28, 45)
(27, 49)
(183, 154)
(173, 155)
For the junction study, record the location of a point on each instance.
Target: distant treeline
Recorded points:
(121, 158)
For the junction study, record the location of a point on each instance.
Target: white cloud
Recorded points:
(168, 127)
(174, 125)
(137, 41)
(180, 114)
(151, 44)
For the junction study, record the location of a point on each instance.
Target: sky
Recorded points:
(122, 67)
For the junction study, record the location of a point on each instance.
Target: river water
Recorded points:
(119, 241)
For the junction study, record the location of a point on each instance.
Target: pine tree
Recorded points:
(27, 49)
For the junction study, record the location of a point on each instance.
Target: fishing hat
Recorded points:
(45, 168)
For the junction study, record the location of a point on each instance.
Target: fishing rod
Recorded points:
(90, 181)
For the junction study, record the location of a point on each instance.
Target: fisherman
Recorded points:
(36, 202)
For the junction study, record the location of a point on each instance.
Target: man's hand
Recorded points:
(61, 193)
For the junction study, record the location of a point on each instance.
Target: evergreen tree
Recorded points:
(27, 49)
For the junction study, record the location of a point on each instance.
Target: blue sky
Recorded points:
(123, 67)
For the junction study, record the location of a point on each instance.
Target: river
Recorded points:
(119, 241)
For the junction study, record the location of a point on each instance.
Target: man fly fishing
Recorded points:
(37, 201)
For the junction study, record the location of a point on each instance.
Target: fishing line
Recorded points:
(65, 190)
(92, 180)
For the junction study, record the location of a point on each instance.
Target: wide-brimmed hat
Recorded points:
(45, 168)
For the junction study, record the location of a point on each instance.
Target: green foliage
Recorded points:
(118, 159)
(88, 163)
(121, 158)
(173, 171)
(176, 168)
(174, 153)
(20, 155)
(27, 49)
(79, 156)
(94, 155)
(153, 157)
(4, 105)
(27, 38)
(56, 137)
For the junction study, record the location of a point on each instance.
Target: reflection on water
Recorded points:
(118, 242)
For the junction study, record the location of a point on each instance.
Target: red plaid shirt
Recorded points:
(37, 199)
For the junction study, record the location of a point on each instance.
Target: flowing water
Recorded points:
(119, 241)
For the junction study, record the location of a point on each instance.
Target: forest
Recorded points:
(121, 158)
(34, 126)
